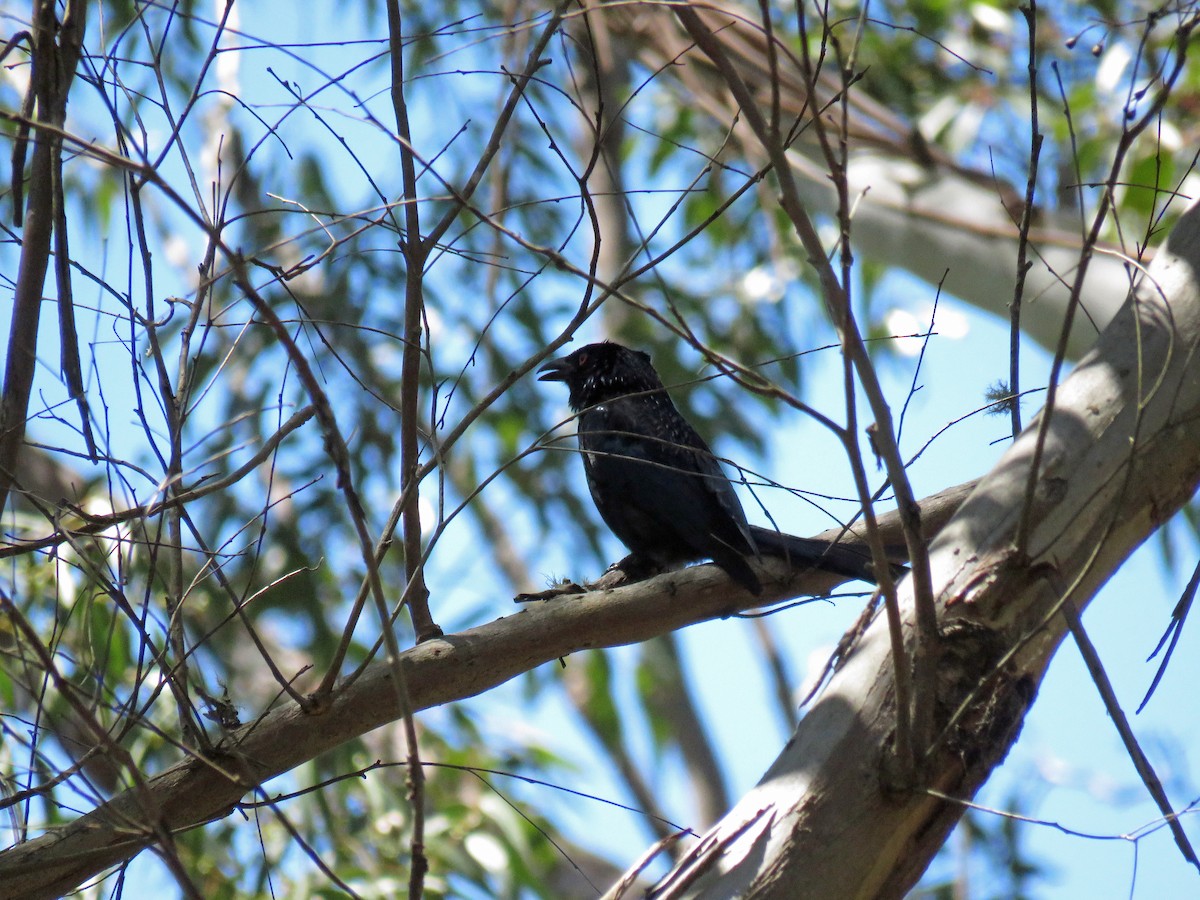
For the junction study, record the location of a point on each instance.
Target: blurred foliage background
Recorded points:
(269, 132)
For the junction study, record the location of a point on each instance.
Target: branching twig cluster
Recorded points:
(193, 602)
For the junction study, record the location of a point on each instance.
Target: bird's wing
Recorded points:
(686, 442)
(674, 445)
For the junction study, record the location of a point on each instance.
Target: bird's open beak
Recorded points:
(555, 370)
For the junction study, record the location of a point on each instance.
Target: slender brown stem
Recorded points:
(1091, 239)
(1027, 212)
(1140, 761)
(415, 252)
(838, 303)
(56, 52)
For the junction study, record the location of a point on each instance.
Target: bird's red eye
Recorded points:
(583, 359)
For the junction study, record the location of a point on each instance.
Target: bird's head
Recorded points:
(601, 372)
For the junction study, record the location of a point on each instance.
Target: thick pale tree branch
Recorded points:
(1122, 454)
(438, 671)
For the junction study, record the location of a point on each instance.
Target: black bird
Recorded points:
(657, 484)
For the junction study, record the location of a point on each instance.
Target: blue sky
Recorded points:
(1068, 765)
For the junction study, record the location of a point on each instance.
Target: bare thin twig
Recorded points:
(1124, 144)
(1027, 213)
(416, 594)
(837, 301)
(56, 52)
(1144, 768)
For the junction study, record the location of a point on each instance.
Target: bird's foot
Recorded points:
(561, 589)
(639, 568)
(627, 571)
